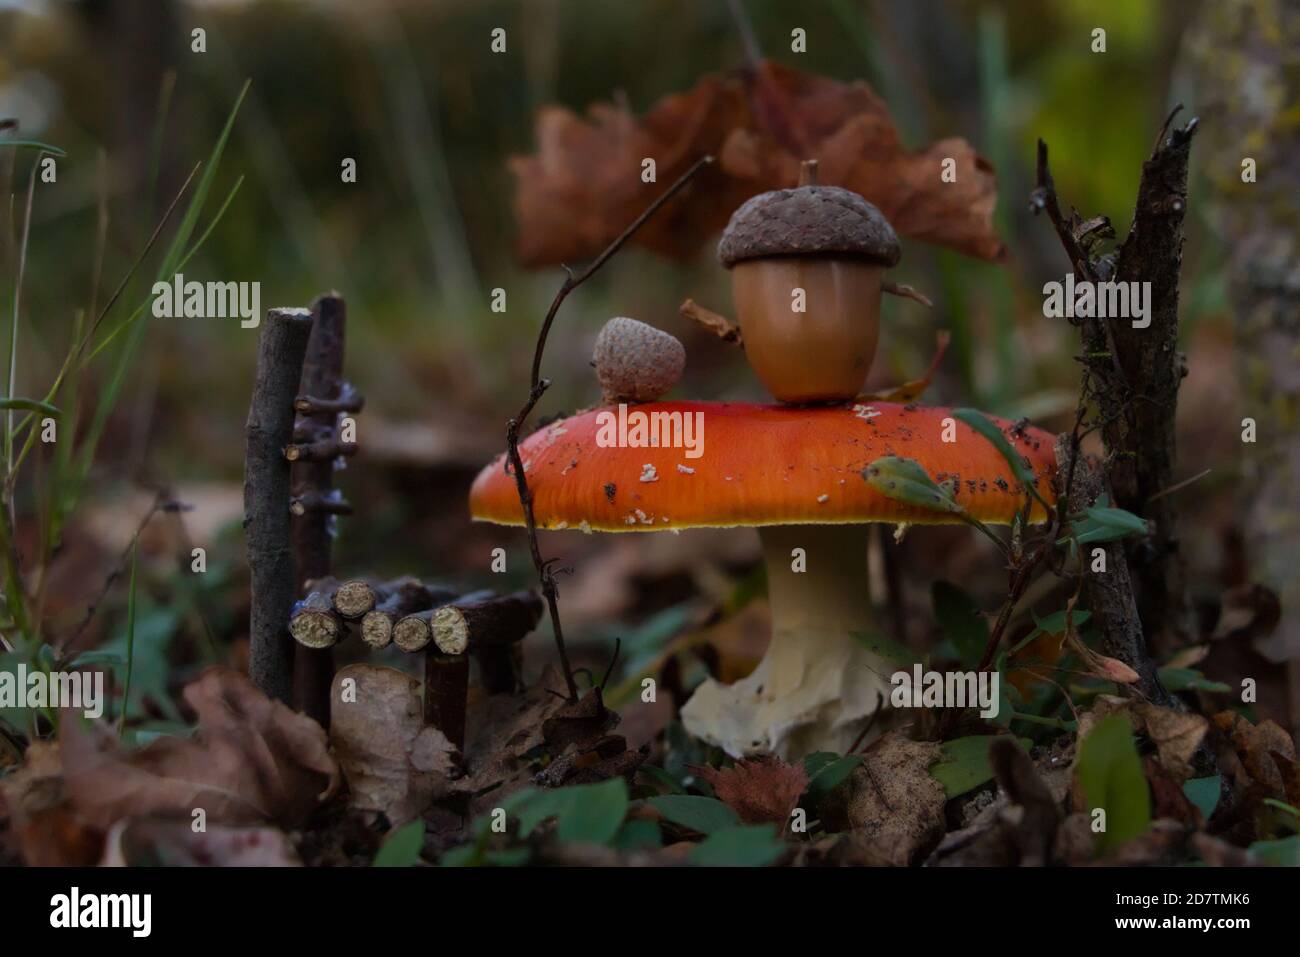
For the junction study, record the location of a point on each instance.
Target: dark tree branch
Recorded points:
(1133, 373)
(313, 480)
(1110, 593)
(538, 387)
(281, 348)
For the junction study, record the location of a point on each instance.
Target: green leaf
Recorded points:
(1189, 679)
(1204, 793)
(743, 846)
(585, 813)
(592, 813)
(960, 620)
(826, 771)
(702, 814)
(1284, 852)
(507, 856)
(401, 848)
(638, 835)
(904, 480)
(1105, 524)
(985, 426)
(465, 855)
(1110, 773)
(964, 763)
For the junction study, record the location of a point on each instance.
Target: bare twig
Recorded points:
(281, 349)
(538, 386)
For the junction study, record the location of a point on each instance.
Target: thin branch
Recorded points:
(538, 386)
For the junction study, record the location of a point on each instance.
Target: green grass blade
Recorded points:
(130, 643)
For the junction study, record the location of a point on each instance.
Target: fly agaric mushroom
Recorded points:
(795, 474)
(807, 265)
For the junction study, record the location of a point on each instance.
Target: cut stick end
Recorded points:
(314, 629)
(450, 631)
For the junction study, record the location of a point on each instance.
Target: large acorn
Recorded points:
(807, 266)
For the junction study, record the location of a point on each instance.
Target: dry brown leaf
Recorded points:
(760, 789)
(892, 801)
(250, 761)
(43, 829)
(1176, 735)
(150, 842)
(392, 762)
(583, 186)
(849, 131)
(504, 737)
(710, 321)
(1255, 744)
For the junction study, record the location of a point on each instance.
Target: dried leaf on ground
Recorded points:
(1255, 745)
(393, 763)
(251, 760)
(504, 740)
(891, 800)
(42, 827)
(1175, 734)
(583, 186)
(150, 842)
(760, 789)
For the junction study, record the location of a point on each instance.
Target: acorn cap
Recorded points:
(808, 220)
(759, 465)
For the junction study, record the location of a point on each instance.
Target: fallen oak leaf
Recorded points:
(251, 760)
(1255, 745)
(584, 184)
(760, 789)
(891, 801)
(392, 761)
(849, 131)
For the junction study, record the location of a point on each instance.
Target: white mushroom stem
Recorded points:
(817, 685)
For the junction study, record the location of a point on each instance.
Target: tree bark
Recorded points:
(1153, 368)
(281, 348)
(322, 377)
(1110, 593)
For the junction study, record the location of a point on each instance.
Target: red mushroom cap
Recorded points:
(758, 465)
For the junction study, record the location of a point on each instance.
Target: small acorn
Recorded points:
(636, 362)
(807, 266)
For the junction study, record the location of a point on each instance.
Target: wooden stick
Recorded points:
(413, 632)
(398, 598)
(301, 505)
(281, 348)
(353, 598)
(313, 475)
(1110, 593)
(315, 624)
(348, 401)
(490, 628)
(446, 690)
(321, 451)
